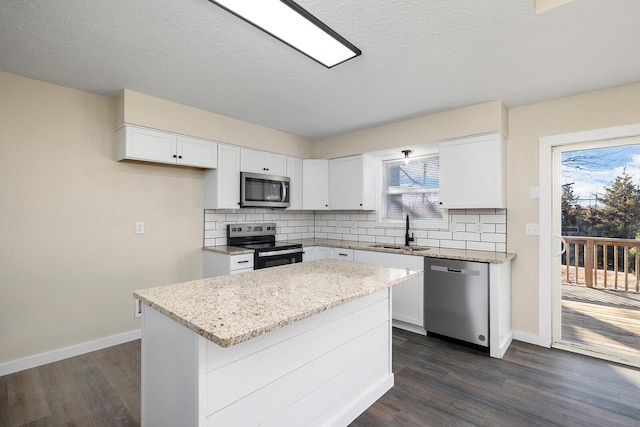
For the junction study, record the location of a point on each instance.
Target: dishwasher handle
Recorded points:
(463, 271)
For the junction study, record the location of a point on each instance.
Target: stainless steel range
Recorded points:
(262, 239)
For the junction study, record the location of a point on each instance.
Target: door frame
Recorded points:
(548, 197)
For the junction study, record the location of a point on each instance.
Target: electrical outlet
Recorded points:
(137, 308)
(139, 227)
(532, 229)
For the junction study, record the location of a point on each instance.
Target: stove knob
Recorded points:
(233, 229)
(239, 228)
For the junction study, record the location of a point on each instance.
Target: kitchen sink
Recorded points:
(400, 247)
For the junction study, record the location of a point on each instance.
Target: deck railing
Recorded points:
(617, 260)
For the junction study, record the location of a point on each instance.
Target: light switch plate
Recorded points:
(139, 227)
(534, 192)
(532, 229)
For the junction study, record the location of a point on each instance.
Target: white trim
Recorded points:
(528, 338)
(355, 408)
(409, 327)
(66, 352)
(607, 354)
(546, 144)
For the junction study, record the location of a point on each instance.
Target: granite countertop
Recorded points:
(228, 250)
(424, 251)
(231, 309)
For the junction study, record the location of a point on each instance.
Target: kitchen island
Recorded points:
(300, 344)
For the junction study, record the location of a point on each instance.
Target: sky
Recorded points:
(598, 168)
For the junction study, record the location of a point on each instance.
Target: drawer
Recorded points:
(343, 254)
(244, 262)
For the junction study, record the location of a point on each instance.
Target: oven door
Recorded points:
(275, 258)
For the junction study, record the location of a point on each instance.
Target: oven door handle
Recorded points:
(282, 252)
(283, 191)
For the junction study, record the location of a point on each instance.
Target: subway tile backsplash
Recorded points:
(474, 229)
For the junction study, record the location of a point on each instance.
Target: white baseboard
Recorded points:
(66, 352)
(408, 327)
(528, 338)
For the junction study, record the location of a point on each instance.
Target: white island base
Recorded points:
(323, 370)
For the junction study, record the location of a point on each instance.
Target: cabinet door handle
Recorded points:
(174, 156)
(342, 254)
(179, 157)
(243, 262)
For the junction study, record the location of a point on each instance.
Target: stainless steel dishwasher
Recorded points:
(456, 299)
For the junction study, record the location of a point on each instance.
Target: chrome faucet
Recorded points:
(408, 239)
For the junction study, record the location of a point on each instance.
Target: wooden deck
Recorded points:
(601, 317)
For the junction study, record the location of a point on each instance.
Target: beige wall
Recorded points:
(137, 108)
(524, 126)
(69, 258)
(595, 110)
(473, 120)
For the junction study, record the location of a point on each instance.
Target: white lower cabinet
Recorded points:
(343, 254)
(322, 370)
(313, 253)
(408, 297)
(218, 264)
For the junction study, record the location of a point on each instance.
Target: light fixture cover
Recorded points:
(290, 23)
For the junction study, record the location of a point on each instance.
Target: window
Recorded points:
(413, 189)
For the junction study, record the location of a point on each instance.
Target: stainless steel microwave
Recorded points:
(263, 191)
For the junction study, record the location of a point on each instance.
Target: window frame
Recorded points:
(381, 199)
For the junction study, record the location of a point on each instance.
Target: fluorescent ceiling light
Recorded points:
(293, 25)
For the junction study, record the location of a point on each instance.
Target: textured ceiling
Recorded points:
(419, 57)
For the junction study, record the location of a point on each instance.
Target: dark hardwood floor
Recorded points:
(436, 383)
(441, 383)
(98, 389)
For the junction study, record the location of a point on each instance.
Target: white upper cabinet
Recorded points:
(294, 171)
(146, 144)
(263, 162)
(137, 143)
(315, 184)
(472, 172)
(222, 185)
(197, 152)
(352, 183)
